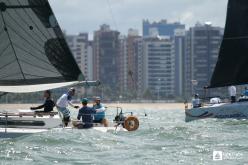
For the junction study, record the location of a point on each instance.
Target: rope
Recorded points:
(112, 14)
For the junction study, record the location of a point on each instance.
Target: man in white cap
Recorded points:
(99, 117)
(62, 104)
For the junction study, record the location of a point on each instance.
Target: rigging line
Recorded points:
(2, 52)
(112, 14)
(53, 50)
(38, 67)
(2, 67)
(39, 45)
(27, 33)
(47, 30)
(2, 32)
(24, 39)
(35, 40)
(22, 49)
(27, 23)
(12, 46)
(34, 46)
(31, 18)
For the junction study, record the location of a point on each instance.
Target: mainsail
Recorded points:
(33, 49)
(232, 65)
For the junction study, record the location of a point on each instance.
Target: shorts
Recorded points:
(98, 121)
(66, 113)
(84, 126)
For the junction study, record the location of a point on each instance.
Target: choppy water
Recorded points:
(163, 138)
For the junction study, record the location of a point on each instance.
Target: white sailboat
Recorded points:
(34, 56)
(231, 68)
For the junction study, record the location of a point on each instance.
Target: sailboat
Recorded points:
(34, 56)
(231, 68)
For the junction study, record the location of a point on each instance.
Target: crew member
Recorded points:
(196, 102)
(86, 113)
(48, 104)
(244, 96)
(245, 92)
(62, 104)
(232, 92)
(99, 117)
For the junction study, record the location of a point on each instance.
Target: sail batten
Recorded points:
(232, 64)
(33, 50)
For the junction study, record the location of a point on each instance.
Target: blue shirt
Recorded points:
(99, 115)
(245, 93)
(86, 113)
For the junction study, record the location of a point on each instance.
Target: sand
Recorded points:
(126, 106)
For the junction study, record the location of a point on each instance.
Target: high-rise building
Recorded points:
(106, 54)
(203, 44)
(162, 28)
(131, 63)
(158, 67)
(82, 50)
(139, 62)
(134, 53)
(179, 49)
(123, 64)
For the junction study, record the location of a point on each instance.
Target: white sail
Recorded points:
(43, 87)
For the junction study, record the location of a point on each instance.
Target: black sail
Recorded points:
(33, 49)
(232, 64)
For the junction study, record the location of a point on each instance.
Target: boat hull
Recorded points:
(18, 132)
(237, 110)
(25, 122)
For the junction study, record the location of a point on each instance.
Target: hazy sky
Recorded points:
(86, 15)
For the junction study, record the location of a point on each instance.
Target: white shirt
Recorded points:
(63, 101)
(232, 91)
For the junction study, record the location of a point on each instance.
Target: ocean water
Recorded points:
(163, 138)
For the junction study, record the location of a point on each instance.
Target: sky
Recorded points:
(76, 16)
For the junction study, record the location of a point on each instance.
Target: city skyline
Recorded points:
(151, 66)
(76, 16)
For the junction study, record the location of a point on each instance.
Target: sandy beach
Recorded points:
(126, 106)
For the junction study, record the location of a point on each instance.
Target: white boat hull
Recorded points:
(110, 129)
(26, 122)
(18, 132)
(237, 110)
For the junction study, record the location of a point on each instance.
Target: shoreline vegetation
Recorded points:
(125, 106)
